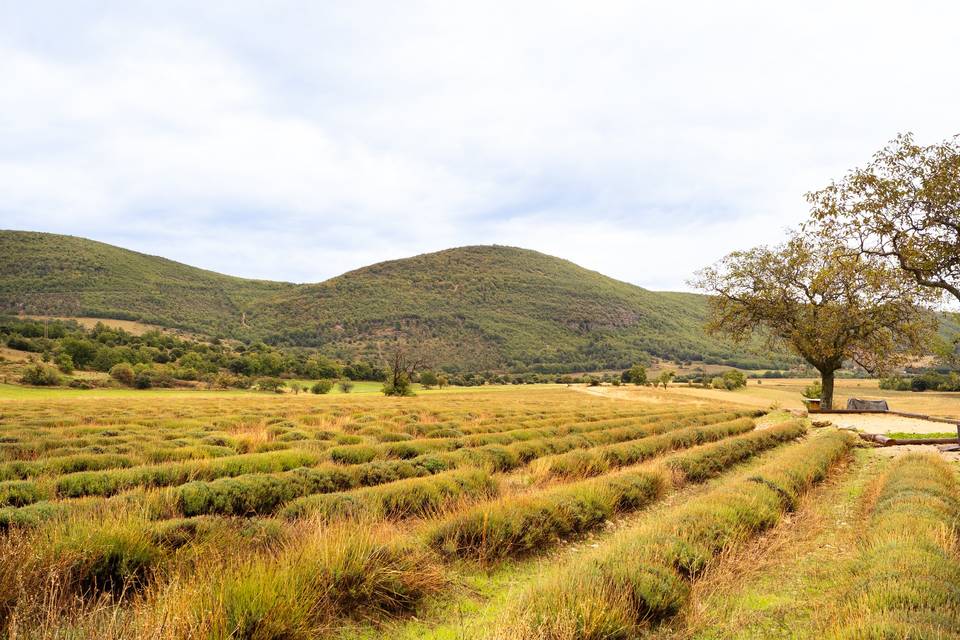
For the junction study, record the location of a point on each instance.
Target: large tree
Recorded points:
(903, 206)
(825, 303)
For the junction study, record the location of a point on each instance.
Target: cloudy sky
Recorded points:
(298, 140)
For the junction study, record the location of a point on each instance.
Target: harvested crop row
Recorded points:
(594, 462)
(405, 498)
(642, 576)
(908, 571)
(263, 493)
(516, 526)
(358, 454)
(107, 483)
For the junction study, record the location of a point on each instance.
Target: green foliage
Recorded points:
(124, 374)
(271, 384)
(64, 362)
(40, 375)
(399, 386)
(813, 390)
(637, 374)
(429, 379)
(345, 385)
(321, 387)
(472, 308)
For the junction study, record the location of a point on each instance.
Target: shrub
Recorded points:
(520, 525)
(813, 391)
(321, 387)
(19, 493)
(345, 385)
(143, 380)
(123, 373)
(64, 362)
(270, 384)
(40, 375)
(734, 380)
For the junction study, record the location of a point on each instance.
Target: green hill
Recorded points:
(472, 308)
(60, 275)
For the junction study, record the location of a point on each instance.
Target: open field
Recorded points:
(512, 512)
(786, 393)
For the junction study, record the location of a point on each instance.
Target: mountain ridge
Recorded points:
(470, 308)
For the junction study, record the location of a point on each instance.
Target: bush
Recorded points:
(270, 384)
(321, 387)
(143, 380)
(40, 375)
(123, 373)
(345, 385)
(734, 380)
(353, 454)
(64, 362)
(813, 391)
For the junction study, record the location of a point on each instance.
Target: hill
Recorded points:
(61, 275)
(470, 308)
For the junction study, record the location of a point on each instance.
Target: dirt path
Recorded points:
(880, 423)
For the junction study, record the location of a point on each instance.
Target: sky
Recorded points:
(298, 140)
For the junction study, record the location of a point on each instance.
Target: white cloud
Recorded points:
(639, 139)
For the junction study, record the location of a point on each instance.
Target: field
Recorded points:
(498, 513)
(786, 393)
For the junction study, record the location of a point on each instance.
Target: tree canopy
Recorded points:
(827, 304)
(903, 206)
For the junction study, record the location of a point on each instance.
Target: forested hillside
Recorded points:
(470, 308)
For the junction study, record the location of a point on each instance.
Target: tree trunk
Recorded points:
(826, 396)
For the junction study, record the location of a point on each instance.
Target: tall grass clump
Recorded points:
(401, 499)
(643, 576)
(300, 591)
(907, 575)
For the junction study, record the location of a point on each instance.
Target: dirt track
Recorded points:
(879, 423)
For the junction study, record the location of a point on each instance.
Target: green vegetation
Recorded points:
(642, 576)
(437, 516)
(909, 569)
(471, 309)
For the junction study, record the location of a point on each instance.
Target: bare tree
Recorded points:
(401, 368)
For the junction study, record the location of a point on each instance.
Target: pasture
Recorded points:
(511, 512)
